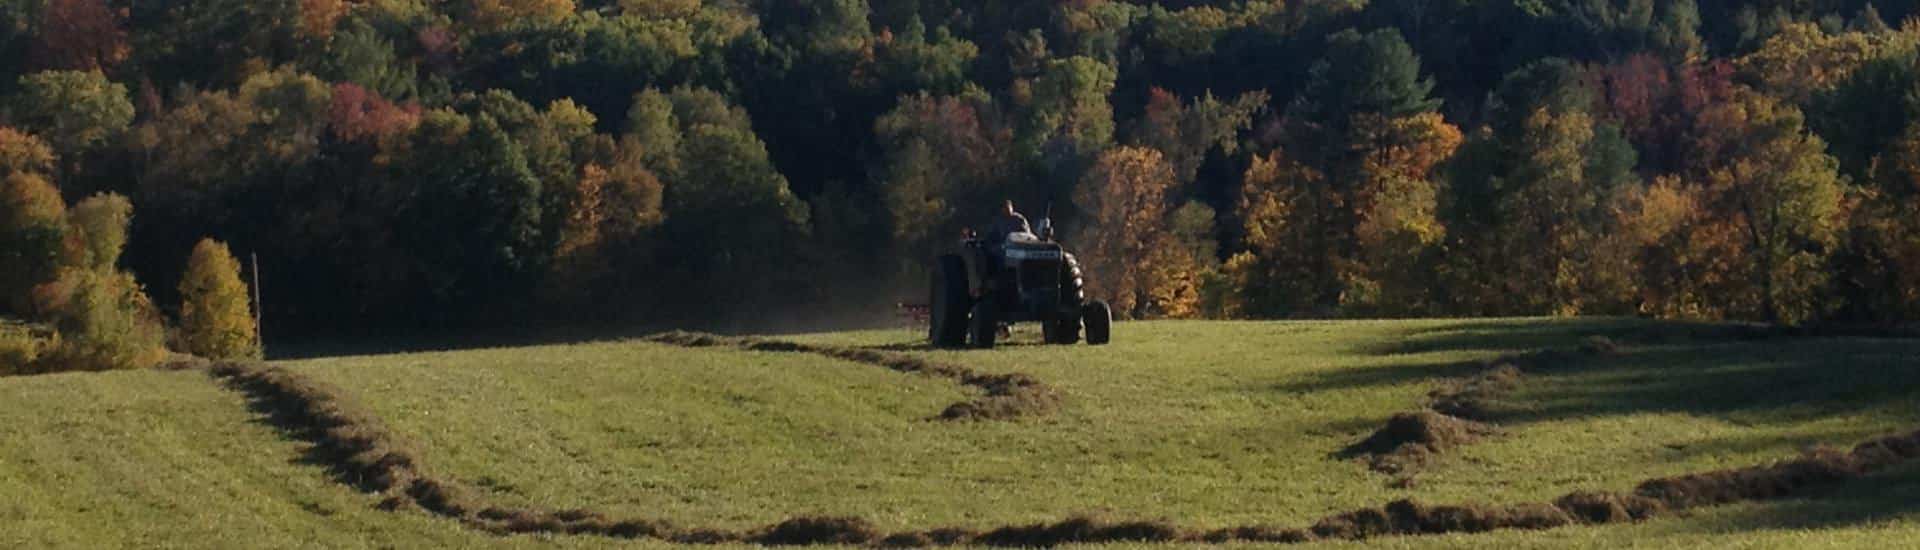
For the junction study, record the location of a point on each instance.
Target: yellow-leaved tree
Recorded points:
(492, 15)
(216, 319)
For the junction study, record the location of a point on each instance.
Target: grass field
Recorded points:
(1206, 424)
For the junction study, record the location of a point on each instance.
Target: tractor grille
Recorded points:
(1036, 275)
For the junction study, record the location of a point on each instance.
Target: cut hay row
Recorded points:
(1456, 411)
(1005, 396)
(362, 451)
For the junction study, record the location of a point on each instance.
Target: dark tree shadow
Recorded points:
(1389, 375)
(1886, 496)
(1781, 380)
(284, 416)
(1504, 335)
(1696, 370)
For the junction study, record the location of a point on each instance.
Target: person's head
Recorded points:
(1009, 207)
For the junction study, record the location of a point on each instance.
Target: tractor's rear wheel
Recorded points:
(1099, 320)
(984, 328)
(947, 307)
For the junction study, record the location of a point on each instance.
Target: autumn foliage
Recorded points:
(216, 314)
(80, 35)
(445, 166)
(1126, 228)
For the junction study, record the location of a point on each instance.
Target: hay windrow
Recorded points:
(1410, 440)
(1468, 398)
(1004, 396)
(363, 452)
(1457, 412)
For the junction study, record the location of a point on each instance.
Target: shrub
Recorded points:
(22, 345)
(215, 316)
(32, 227)
(105, 322)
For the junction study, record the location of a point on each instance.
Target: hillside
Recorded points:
(420, 168)
(1205, 425)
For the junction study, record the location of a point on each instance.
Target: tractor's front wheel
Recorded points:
(947, 307)
(1063, 331)
(1098, 318)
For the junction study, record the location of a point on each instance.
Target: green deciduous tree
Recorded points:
(733, 226)
(73, 111)
(361, 55)
(1068, 119)
(1862, 115)
(594, 60)
(215, 43)
(100, 223)
(946, 161)
(1882, 260)
(467, 214)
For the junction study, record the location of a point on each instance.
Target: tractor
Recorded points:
(1027, 278)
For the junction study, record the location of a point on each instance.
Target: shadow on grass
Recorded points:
(1487, 338)
(1514, 335)
(1887, 496)
(1388, 375)
(1692, 369)
(1765, 381)
(1772, 384)
(285, 417)
(924, 346)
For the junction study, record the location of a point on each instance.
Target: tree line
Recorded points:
(418, 166)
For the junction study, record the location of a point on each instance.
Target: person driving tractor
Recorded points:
(1007, 223)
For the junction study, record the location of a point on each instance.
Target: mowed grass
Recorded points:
(172, 460)
(1207, 424)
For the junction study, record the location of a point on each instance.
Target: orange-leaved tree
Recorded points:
(1126, 239)
(33, 233)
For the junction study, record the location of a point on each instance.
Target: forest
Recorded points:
(416, 166)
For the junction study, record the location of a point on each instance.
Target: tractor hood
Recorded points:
(1018, 251)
